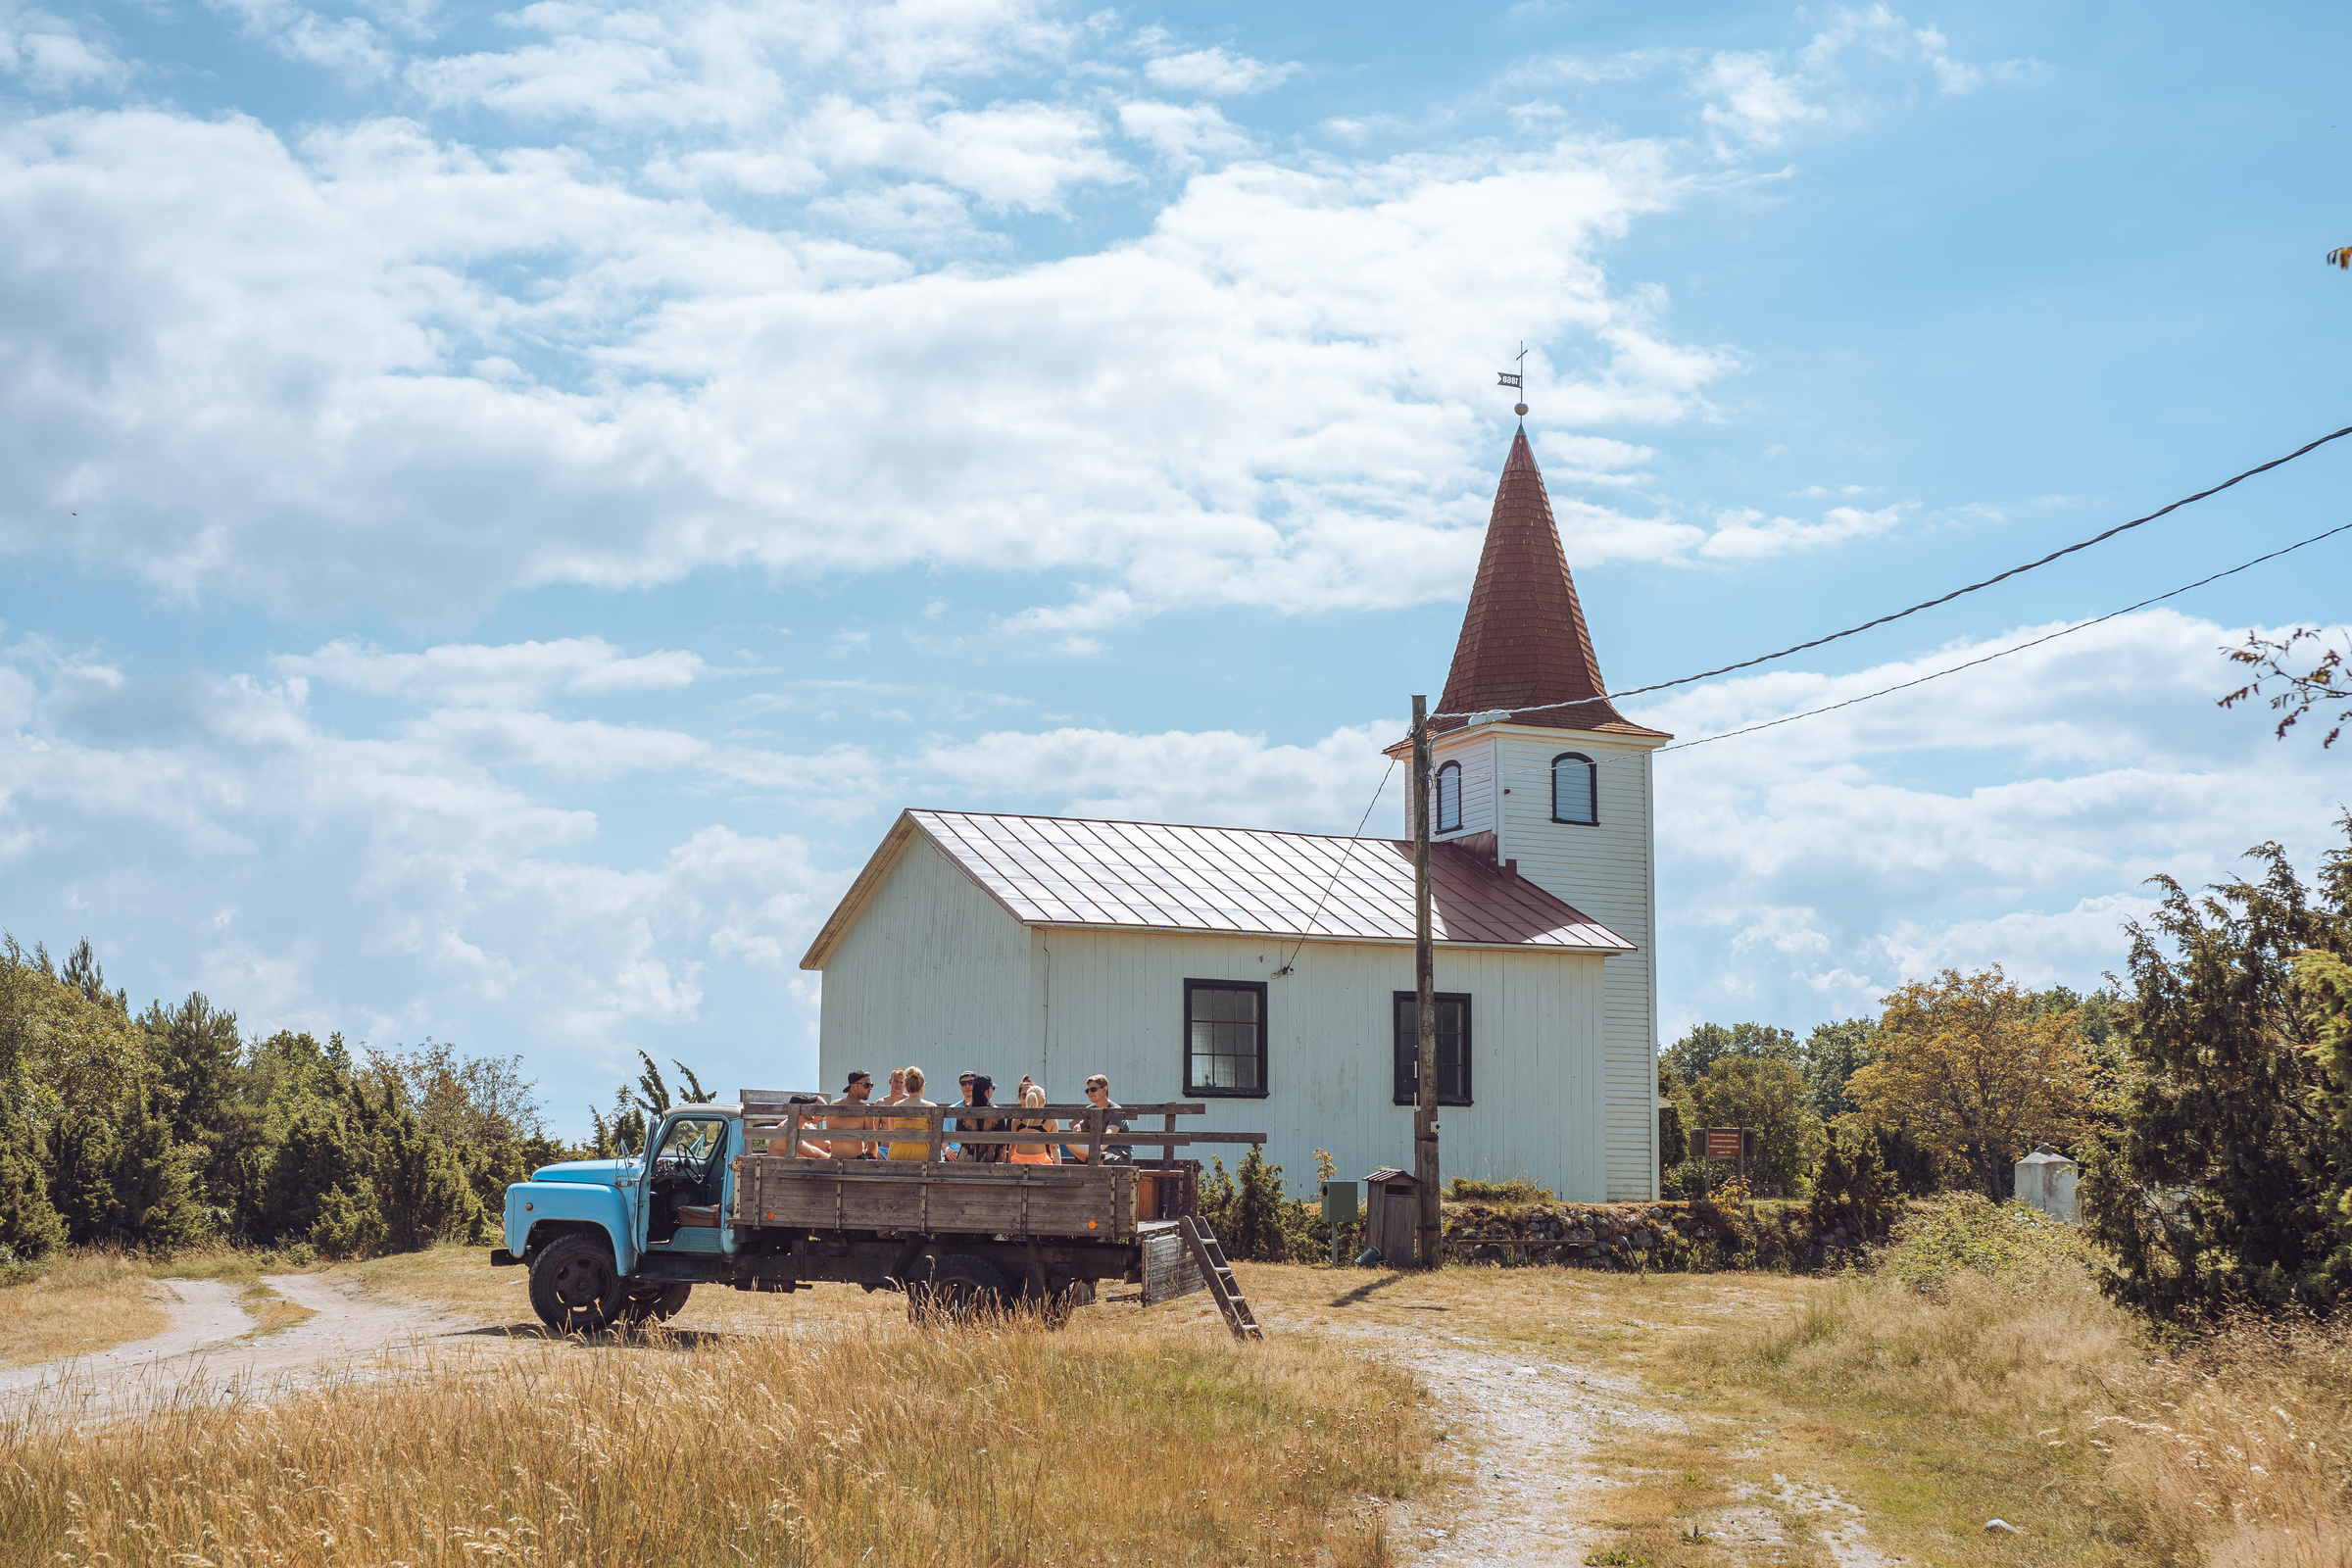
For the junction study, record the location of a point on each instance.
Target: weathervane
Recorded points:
(1517, 378)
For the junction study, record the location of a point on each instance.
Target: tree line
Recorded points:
(168, 1128)
(2206, 1095)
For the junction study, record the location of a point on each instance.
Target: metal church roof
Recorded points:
(1075, 871)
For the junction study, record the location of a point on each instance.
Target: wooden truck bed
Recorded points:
(1015, 1201)
(885, 1222)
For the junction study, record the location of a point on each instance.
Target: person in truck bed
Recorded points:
(918, 1149)
(1098, 1095)
(983, 1093)
(1042, 1152)
(859, 1087)
(808, 1150)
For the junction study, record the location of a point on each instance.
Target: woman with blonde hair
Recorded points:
(920, 1148)
(1036, 1153)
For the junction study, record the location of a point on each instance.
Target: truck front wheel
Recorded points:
(575, 1289)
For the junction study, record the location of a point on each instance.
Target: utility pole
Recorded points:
(1429, 1248)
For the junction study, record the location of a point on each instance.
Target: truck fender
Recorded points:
(563, 1208)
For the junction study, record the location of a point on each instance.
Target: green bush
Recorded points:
(1968, 1231)
(30, 1226)
(1518, 1190)
(1853, 1189)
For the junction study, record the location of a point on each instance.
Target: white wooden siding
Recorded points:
(1607, 870)
(934, 972)
(1115, 1006)
(1477, 757)
(937, 973)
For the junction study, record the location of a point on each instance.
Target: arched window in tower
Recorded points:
(1575, 789)
(1450, 797)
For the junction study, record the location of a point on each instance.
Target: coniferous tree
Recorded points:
(199, 1052)
(1833, 1054)
(2213, 1189)
(117, 1178)
(321, 1186)
(1256, 1212)
(421, 1189)
(31, 1226)
(1706, 1044)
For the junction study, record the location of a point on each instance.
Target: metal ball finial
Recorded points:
(1519, 408)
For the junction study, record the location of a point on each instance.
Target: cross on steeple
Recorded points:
(1516, 379)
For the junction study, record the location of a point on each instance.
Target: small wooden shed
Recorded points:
(1391, 1213)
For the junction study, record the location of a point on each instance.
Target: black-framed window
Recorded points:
(1453, 1047)
(1575, 789)
(1450, 797)
(1225, 1037)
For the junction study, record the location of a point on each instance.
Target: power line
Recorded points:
(1791, 719)
(2121, 527)
(1337, 870)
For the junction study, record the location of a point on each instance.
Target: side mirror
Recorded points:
(621, 1148)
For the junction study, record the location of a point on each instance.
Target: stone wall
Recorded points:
(1671, 1237)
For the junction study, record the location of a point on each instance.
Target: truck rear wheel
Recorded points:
(575, 1288)
(961, 1288)
(655, 1303)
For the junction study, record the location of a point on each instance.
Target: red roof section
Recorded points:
(1524, 642)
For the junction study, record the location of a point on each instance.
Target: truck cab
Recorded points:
(626, 1239)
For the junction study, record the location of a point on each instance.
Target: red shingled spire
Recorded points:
(1524, 642)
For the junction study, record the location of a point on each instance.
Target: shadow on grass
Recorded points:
(1350, 1298)
(679, 1338)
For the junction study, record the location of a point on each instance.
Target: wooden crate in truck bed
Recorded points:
(881, 1195)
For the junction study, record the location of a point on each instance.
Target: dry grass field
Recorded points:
(849, 1439)
(91, 1301)
(1718, 1419)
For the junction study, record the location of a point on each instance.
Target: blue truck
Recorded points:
(726, 1196)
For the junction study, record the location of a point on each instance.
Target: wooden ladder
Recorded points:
(1222, 1283)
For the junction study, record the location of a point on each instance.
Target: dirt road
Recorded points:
(213, 1343)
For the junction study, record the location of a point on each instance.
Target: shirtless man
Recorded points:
(861, 1086)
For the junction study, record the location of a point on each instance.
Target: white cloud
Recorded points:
(1258, 402)
(349, 46)
(1186, 135)
(1753, 102)
(1856, 63)
(1217, 73)
(1025, 157)
(1212, 777)
(1808, 868)
(48, 54)
(503, 675)
(1749, 535)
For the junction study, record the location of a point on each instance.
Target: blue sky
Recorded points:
(501, 508)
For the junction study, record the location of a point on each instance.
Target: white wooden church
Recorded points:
(1207, 964)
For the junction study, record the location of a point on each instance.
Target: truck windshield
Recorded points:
(691, 1142)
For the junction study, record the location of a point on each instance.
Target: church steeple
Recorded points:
(1524, 642)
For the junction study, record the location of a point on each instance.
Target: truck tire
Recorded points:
(961, 1288)
(1055, 1309)
(575, 1286)
(655, 1302)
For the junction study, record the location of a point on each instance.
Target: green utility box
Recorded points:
(1338, 1203)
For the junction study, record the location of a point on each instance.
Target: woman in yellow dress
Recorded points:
(919, 1149)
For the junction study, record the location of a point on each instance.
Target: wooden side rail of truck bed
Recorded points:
(782, 1189)
(788, 1118)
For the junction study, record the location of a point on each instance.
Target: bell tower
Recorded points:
(1535, 766)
